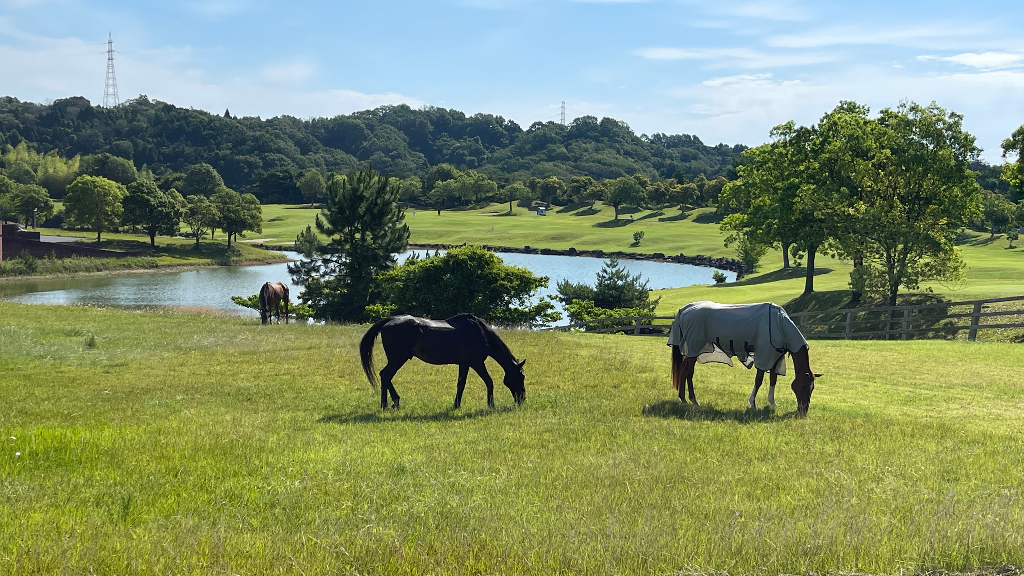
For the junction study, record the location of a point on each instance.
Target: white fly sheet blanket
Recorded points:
(716, 332)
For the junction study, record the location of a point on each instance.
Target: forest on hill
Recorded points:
(268, 157)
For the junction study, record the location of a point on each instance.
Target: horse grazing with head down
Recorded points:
(272, 295)
(757, 334)
(464, 340)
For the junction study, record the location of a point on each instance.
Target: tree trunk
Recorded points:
(197, 239)
(809, 280)
(509, 206)
(98, 233)
(858, 263)
(229, 241)
(152, 239)
(616, 212)
(785, 255)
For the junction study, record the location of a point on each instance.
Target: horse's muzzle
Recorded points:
(801, 409)
(519, 398)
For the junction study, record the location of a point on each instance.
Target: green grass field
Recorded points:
(148, 443)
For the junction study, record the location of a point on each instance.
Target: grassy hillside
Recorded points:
(142, 443)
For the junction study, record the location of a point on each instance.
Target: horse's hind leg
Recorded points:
(758, 380)
(688, 365)
(772, 379)
(386, 385)
(463, 374)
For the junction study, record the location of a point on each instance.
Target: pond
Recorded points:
(213, 287)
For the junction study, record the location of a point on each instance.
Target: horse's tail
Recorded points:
(366, 351)
(287, 301)
(677, 367)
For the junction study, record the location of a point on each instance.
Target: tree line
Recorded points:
(890, 193)
(268, 158)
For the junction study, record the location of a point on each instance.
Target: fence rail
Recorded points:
(888, 322)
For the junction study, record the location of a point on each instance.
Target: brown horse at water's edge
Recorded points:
(272, 296)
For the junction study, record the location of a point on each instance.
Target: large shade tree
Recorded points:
(152, 209)
(200, 215)
(94, 202)
(238, 213)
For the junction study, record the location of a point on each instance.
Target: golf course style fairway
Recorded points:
(164, 443)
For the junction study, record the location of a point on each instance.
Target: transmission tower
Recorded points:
(562, 116)
(110, 87)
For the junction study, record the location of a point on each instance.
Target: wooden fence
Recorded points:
(937, 320)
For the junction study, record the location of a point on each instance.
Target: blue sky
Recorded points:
(725, 71)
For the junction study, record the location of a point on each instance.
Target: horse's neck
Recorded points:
(501, 354)
(801, 360)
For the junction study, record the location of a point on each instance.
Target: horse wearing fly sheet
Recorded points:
(758, 335)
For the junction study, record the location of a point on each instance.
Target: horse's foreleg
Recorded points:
(772, 379)
(481, 371)
(758, 380)
(463, 374)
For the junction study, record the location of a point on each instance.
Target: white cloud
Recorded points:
(56, 68)
(288, 72)
(982, 60)
(736, 57)
(743, 108)
(780, 10)
(939, 35)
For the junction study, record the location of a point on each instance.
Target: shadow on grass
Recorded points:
(709, 218)
(614, 223)
(380, 416)
(651, 215)
(588, 211)
(683, 215)
(506, 213)
(678, 410)
(780, 274)
(573, 207)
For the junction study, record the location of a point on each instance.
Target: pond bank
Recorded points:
(135, 269)
(728, 264)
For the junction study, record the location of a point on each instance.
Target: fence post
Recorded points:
(600, 325)
(636, 331)
(849, 324)
(972, 334)
(906, 323)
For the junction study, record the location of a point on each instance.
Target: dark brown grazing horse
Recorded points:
(464, 340)
(759, 335)
(272, 295)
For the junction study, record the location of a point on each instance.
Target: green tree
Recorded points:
(202, 179)
(94, 202)
(1013, 172)
(465, 279)
(152, 209)
(200, 215)
(110, 167)
(366, 228)
(312, 185)
(614, 288)
(922, 192)
(624, 191)
(550, 190)
(997, 211)
(20, 172)
(32, 203)
(584, 188)
(514, 192)
(238, 212)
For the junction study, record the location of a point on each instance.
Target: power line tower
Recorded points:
(110, 87)
(563, 113)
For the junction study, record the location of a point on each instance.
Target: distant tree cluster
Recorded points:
(274, 159)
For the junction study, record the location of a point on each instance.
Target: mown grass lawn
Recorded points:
(172, 444)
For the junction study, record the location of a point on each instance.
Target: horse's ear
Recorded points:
(522, 363)
(818, 375)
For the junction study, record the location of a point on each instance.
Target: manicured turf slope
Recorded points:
(170, 444)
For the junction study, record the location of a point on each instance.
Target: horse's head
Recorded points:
(515, 381)
(803, 386)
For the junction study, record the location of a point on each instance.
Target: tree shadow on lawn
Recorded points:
(709, 218)
(685, 411)
(654, 214)
(588, 211)
(380, 416)
(683, 215)
(780, 274)
(614, 223)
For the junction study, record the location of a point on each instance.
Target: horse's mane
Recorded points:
(495, 341)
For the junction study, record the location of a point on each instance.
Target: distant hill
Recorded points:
(267, 156)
